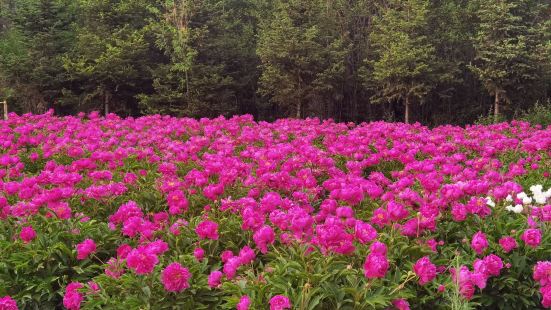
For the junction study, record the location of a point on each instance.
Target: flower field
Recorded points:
(176, 213)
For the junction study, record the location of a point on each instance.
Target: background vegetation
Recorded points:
(436, 61)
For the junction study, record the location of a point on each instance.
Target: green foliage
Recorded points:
(300, 58)
(509, 47)
(404, 58)
(539, 114)
(36, 273)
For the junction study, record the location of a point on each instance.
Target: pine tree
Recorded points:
(36, 35)
(213, 66)
(299, 62)
(403, 57)
(113, 55)
(509, 48)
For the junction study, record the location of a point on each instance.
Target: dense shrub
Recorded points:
(540, 114)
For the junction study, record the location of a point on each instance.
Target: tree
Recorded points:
(403, 60)
(213, 66)
(299, 61)
(114, 53)
(509, 48)
(35, 36)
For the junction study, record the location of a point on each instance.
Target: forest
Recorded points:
(428, 61)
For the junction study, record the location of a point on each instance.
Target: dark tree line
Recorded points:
(433, 61)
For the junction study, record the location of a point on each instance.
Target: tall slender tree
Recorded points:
(509, 48)
(114, 53)
(34, 38)
(213, 65)
(299, 61)
(403, 60)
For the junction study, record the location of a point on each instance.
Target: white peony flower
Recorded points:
(518, 208)
(526, 200)
(540, 198)
(536, 189)
(515, 209)
(509, 198)
(490, 202)
(521, 195)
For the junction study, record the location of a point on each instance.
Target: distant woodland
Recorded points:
(428, 61)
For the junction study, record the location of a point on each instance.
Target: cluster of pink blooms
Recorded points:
(72, 297)
(175, 278)
(85, 248)
(310, 182)
(27, 234)
(280, 302)
(425, 270)
(7, 303)
(207, 230)
(489, 266)
(542, 274)
(376, 263)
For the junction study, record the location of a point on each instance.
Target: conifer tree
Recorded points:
(403, 60)
(509, 48)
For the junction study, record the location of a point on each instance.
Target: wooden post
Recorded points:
(5, 103)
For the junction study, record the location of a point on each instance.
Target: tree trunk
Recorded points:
(496, 108)
(407, 111)
(299, 108)
(106, 102)
(5, 110)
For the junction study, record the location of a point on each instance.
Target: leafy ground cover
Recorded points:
(159, 212)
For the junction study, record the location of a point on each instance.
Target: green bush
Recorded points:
(538, 114)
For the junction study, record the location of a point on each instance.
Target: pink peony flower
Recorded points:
(177, 202)
(479, 242)
(27, 234)
(246, 255)
(114, 268)
(7, 303)
(244, 303)
(123, 250)
(546, 296)
(463, 278)
(214, 278)
(226, 255)
(459, 212)
(263, 237)
(542, 273)
(508, 244)
(207, 230)
(425, 270)
(199, 254)
(175, 278)
(280, 302)
(141, 261)
(375, 266)
(85, 248)
(532, 237)
(364, 232)
(493, 265)
(231, 266)
(157, 247)
(378, 248)
(72, 298)
(401, 304)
